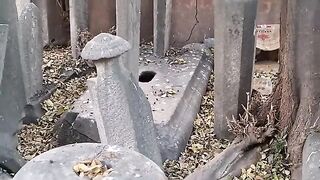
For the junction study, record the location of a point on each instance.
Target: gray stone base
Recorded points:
(58, 163)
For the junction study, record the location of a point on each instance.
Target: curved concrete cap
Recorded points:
(58, 163)
(105, 45)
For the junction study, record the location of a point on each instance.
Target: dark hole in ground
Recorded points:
(267, 55)
(146, 76)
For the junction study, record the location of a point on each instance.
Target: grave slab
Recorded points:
(128, 27)
(78, 23)
(4, 28)
(161, 27)
(31, 49)
(58, 163)
(234, 57)
(42, 5)
(21, 5)
(12, 92)
(175, 95)
(174, 101)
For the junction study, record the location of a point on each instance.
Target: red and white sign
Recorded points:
(268, 37)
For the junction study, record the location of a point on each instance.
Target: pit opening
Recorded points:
(146, 76)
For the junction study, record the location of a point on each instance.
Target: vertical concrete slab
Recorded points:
(57, 21)
(12, 95)
(311, 157)
(4, 29)
(234, 58)
(30, 25)
(162, 24)
(128, 27)
(78, 23)
(42, 5)
(20, 5)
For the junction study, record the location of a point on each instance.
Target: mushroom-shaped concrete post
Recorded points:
(122, 111)
(103, 49)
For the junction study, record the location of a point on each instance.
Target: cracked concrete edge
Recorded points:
(174, 136)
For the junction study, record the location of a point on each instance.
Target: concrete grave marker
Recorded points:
(4, 28)
(122, 112)
(78, 23)
(234, 59)
(161, 27)
(12, 93)
(128, 27)
(31, 49)
(21, 4)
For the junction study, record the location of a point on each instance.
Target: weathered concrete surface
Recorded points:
(311, 157)
(161, 27)
(121, 110)
(78, 23)
(42, 5)
(58, 163)
(4, 30)
(31, 49)
(128, 27)
(12, 95)
(21, 5)
(234, 57)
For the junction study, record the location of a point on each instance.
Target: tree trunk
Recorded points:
(297, 94)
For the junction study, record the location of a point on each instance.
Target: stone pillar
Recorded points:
(61, 163)
(42, 5)
(78, 23)
(161, 27)
(4, 30)
(122, 112)
(234, 59)
(30, 25)
(12, 94)
(128, 27)
(20, 5)
(57, 21)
